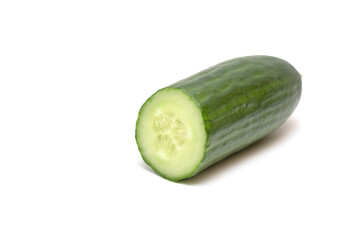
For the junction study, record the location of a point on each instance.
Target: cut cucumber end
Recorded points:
(170, 134)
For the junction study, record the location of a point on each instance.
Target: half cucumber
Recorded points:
(188, 126)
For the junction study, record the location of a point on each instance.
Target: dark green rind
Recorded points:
(241, 100)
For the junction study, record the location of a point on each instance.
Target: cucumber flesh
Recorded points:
(171, 133)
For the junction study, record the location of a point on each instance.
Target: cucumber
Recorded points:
(188, 126)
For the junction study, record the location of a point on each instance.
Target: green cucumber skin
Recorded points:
(242, 100)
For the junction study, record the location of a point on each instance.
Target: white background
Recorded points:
(73, 75)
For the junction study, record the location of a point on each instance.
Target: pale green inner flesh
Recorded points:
(171, 133)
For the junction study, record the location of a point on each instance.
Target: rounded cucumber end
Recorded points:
(170, 134)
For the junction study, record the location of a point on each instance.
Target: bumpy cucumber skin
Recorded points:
(241, 100)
